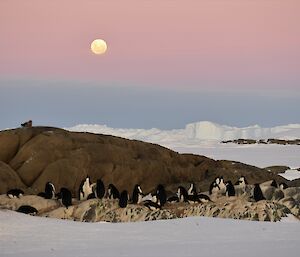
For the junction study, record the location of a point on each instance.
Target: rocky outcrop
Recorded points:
(30, 157)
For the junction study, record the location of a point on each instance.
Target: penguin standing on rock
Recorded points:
(85, 189)
(66, 197)
(214, 186)
(137, 195)
(241, 182)
(161, 195)
(100, 189)
(192, 190)
(113, 192)
(230, 191)
(182, 194)
(257, 193)
(49, 191)
(123, 199)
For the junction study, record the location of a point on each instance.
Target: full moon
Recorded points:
(98, 46)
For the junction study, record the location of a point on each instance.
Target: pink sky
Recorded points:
(188, 43)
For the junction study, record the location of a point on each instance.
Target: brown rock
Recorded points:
(33, 156)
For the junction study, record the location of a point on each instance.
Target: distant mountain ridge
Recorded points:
(198, 131)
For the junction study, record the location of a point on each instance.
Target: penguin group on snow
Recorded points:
(153, 201)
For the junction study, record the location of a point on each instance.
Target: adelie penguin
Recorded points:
(161, 195)
(241, 182)
(123, 201)
(274, 183)
(100, 189)
(214, 186)
(203, 198)
(85, 189)
(152, 206)
(192, 190)
(257, 193)
(49, 191)
(15, 193)
(27, 209)
(222, 185)
(173, 199)
(66, 197)
(182, 194)
(230, 191)
(137, 195)
(113, 192)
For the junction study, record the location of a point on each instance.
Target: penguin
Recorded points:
(241, 182)
(123, 199)
(41, 194)
(49, 191)
(100, 189)
(257, 193)
(274, 183)
(241, 186)
(222, 185)
(192, 190)
(27, 209)
(66, 197)
(15, 193)
(137, 195)
(91, 196)
(193, 199)
(182, 194)
(203, 198)
(230, 191)
(85, 189)
(113, 192)
(27, 124)
(161, 195)
(152, 206)
(283, 186)
(214, 187)
(173, 199)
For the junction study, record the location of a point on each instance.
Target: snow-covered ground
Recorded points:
(26, 236)
(204, 138)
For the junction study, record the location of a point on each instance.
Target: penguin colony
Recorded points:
(88, 190)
